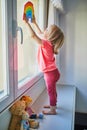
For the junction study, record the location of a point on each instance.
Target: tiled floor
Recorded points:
(64, 120)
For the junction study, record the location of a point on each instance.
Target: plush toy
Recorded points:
(29, 110)
(33, 124)
(17, 111)
(28, 101)
(36, 116)
(25, 121)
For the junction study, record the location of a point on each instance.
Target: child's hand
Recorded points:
(25, 18)
(34, 20)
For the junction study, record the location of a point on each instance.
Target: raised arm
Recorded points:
(37, 28)
(32, 32)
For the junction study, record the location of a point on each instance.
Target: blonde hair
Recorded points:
(56, 37)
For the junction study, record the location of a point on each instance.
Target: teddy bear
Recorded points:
(17, 112)
(31, 112)
(28, 100)
(17, 109)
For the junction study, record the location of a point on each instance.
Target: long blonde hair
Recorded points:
(56, 37)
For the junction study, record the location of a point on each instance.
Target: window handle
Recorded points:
(21, 33)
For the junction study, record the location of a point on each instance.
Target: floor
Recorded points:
(64, 120)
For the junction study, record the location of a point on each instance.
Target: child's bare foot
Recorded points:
(52, 111)
(49, 112)
(47, 106)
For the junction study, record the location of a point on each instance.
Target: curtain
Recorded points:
(58, 4)
(53, 18)
(53, 14)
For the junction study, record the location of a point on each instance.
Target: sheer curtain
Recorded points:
(58, 4)
(55, 7)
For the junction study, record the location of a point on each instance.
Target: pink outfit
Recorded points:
(51, 78)
(46, 61)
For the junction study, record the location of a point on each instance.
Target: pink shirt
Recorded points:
(46, 58)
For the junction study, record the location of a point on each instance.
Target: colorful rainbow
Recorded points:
(29, 10)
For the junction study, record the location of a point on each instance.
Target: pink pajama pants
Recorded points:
(50, 79)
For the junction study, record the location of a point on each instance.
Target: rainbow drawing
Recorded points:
(29, 10)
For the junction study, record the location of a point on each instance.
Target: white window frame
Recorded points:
(6, 100)
(28, 82)
(10, 5)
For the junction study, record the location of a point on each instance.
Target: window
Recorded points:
(18, 64)
(6, 90)
(27, 51)
(2, 50)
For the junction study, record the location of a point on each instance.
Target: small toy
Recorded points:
(35, 116)
(25, 121)
(40, 116)
(33, 124)
(28, 11)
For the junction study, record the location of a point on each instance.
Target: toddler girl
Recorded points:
(49, 41)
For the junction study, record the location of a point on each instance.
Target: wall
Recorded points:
(73, 61)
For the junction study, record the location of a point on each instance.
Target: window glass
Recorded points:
(27, 52)
(3, 51)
